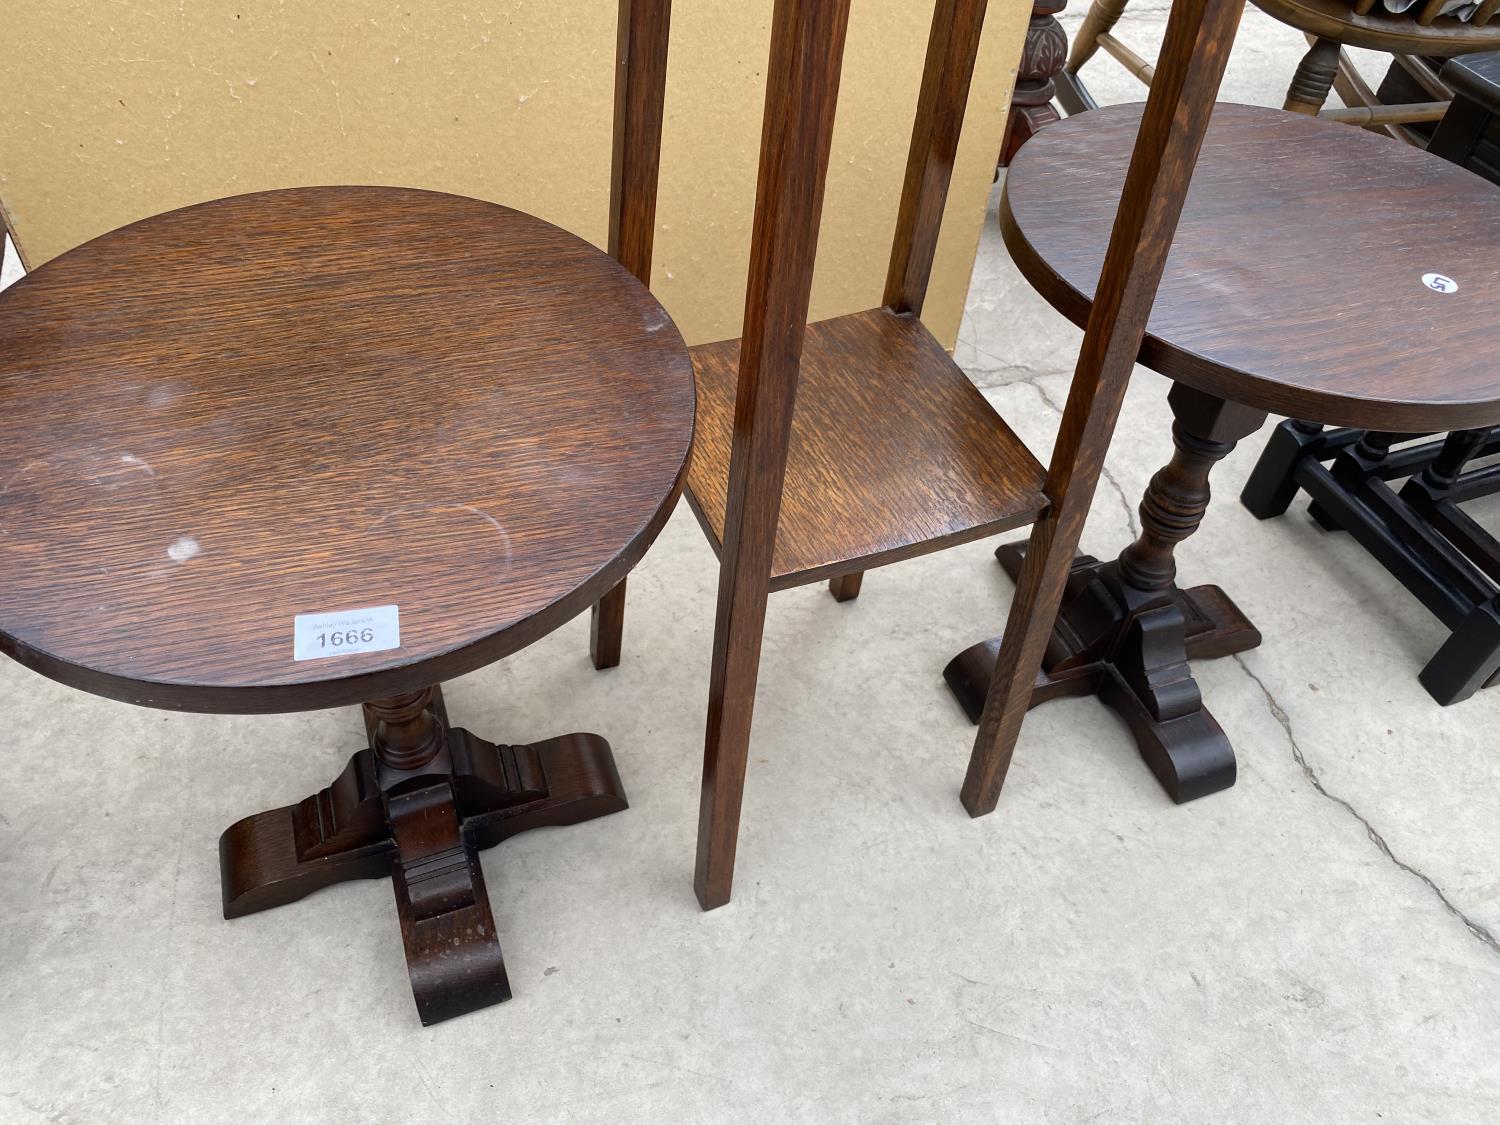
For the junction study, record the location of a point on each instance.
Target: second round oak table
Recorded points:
(1318, 271)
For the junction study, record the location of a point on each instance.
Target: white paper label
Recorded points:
(317, 635)
(1439, 283)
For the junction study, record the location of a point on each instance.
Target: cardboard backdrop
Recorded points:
(113, 111)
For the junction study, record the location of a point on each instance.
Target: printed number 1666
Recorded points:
(346, 638)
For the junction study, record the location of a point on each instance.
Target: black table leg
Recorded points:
(1126, 631)
(1420, 532)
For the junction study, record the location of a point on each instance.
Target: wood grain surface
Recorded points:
(1294, 283)
(893, 452)
(317, 400)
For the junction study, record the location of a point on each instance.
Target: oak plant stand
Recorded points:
(332, 447)
(1238, 327)
(825, 450)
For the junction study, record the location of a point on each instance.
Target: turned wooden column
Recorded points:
(1459, 447)
(407, 734)
(1041, 58)
(1313, 78)
(1171, 510)
(1204, 431)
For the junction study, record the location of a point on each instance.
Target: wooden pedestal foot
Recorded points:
(1133, 653)
(418, 805)
(452, 954)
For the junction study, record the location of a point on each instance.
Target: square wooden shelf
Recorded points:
(893, 453)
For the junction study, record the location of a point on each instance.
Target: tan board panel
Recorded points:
(111, 112)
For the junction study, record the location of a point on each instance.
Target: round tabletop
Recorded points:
(1319, 271)
(312, 447)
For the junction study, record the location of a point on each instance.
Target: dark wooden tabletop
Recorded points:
(1296, 280)
(320, 400)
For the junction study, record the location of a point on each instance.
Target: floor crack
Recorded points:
(1279, 713)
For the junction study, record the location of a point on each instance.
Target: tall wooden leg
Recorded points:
(726, 750)
(418, 804)
(807, 48)
(1313, 78)
(643, 31)
(845, 588)
(606, 626)
(1127, 633)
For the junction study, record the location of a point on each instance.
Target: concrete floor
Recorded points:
(1315, 945)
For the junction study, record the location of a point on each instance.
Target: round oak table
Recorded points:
(333, 446)
(1318, 271)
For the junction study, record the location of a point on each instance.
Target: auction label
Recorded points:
(318, 635)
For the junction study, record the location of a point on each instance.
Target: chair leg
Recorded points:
(1273, 482)
(1099, 20)
(1314, 78)
(845, 588)
(807, 50)
(606, 627)
(1468, 659)
(731, 703)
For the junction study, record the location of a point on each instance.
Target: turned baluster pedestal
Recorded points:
(418, 804)
(1126, 631)
(1254, 316)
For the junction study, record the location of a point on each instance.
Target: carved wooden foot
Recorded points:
(1133, 653)
(418, 805)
